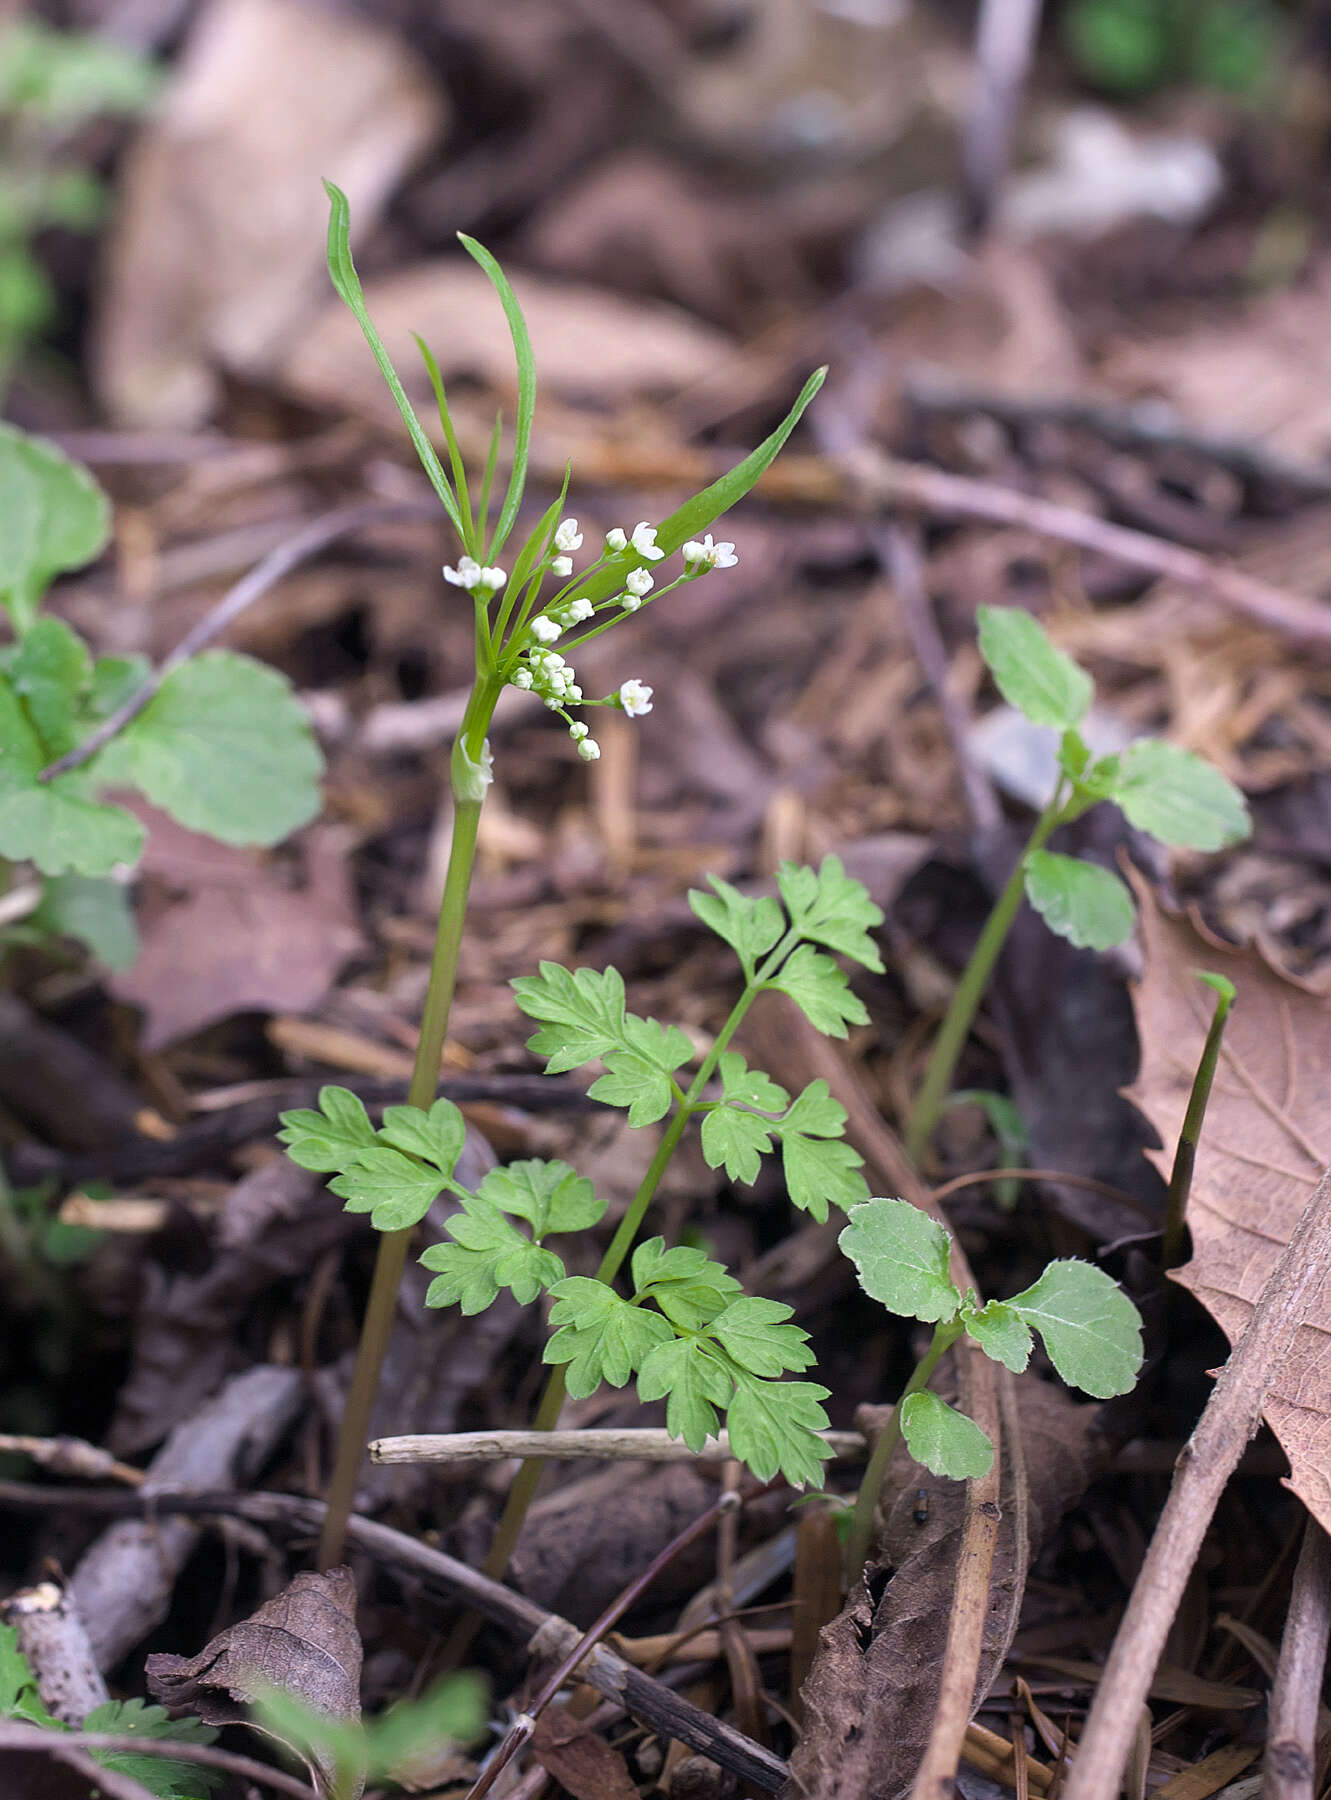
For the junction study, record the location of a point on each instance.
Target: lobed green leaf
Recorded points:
(743, 1086)
(693, 1383)
(685, 1283)
(394, 1189)
(832, 908)
(57, 827)
(582, 1013)
(755, 1334)
(328, 1139)
(487, 1253)
(1030, 673)
(49, 673)
(999, 1332)
(736, 1141)
(773, 1428)
(602, 1337)
(750, 926)
(1087, 905)
(944, 1440)
(820, 1172)
(161, 1775)
(901, 1255)
(820, 990)
(1090, 1328)
(56, 518)
(549, 1195)
(1179, 798)
(436, 1136)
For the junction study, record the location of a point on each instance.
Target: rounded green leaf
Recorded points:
(901, 1254)
(225, 747)
(1082, 902)
(1031, 674)
(1179, 798)
(1092, 1331)
(64, 518)
(944, 1440)
(56, 827)
(1000, 1333)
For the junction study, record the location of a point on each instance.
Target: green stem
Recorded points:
(393, 1245)
(866, 1501)
(956, 1025)
(523, 1490)
(1185, 1155)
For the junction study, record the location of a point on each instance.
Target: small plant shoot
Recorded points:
(1091, 1333)
(1160, 789)
(522, 607)
(223, 745)
(681, 1324)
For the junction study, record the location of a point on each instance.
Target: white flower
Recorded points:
(635, 698)
(544, 630)
(578, 610)
(639, 582)
(561, 567)
(573, 693)
(493, 579)
(708, 555)
(467, 574)
(616, 540)
(568, 537)
(644, 541)
(630, 603)
(522, 678)
(589, 750)
(577, 731)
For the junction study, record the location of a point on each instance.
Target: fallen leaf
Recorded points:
(1266, 1136)
(218, 250)
(224, 933)
(302, 1642)
(579, 1760)
(869, 1701)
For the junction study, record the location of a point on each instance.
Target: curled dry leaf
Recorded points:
(1267, 1135)
(303, 1643)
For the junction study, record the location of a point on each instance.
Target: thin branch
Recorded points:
(1289, 1767)
(264, 575)
(594, 1444)
(885, 481)
(32, 1737)
(1205, 1464)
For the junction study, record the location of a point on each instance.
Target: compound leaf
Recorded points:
(1090, 1328)
(902, 1258)
(1179, 798)
(693, 1383)
(832, 908)
(394, 1189)
(167, 1779)
(582, 1013)
(549, 1195)
(224, 747)
(436, 1136)
(821, 1172)
(1031, 674)
(750, 926)
(944, 1440)
(1082, 902)
(601, 1337)
(820, 990)
(328, 1139)
(773, 1427)
(639, 1074)
(744, 1086)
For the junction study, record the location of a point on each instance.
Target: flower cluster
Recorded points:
(699, 557)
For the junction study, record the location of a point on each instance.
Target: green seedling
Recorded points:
(1160, 789)
(160, 1775)
(52, 84)
(222, 746)
(683, 1327)
(521, 610)
(1185, 1151)
(1090, 1329)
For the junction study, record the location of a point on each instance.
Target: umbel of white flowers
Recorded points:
(540, 669)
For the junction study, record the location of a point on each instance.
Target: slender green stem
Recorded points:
(956, 1025)
(866, 1501)
(1185, 1155)
(393, 1245)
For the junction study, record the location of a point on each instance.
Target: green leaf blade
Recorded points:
(394, 1189)
(581, 1013)
(436, 1136)
(548, 1195)
(693, 1384)
(820, 990)
(944, 1440)
(756, 1335)
(1178, 798)
(56, 826)
(601, 1337)
(1090, 1328)
(831, 908)
(773, 1427)
(1039, 680)
(736, 1141)
(1078, 900)
(62, 520)
(901, 1255)
(526, 362)
(751, 926)
(1000, 1333)
(822, 1172)
(487, 1253)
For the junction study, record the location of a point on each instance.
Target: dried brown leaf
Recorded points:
(579, 1760)
(1266, 1137)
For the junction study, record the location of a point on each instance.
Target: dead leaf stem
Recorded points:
(1292, 1727)
(1204, 1466)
